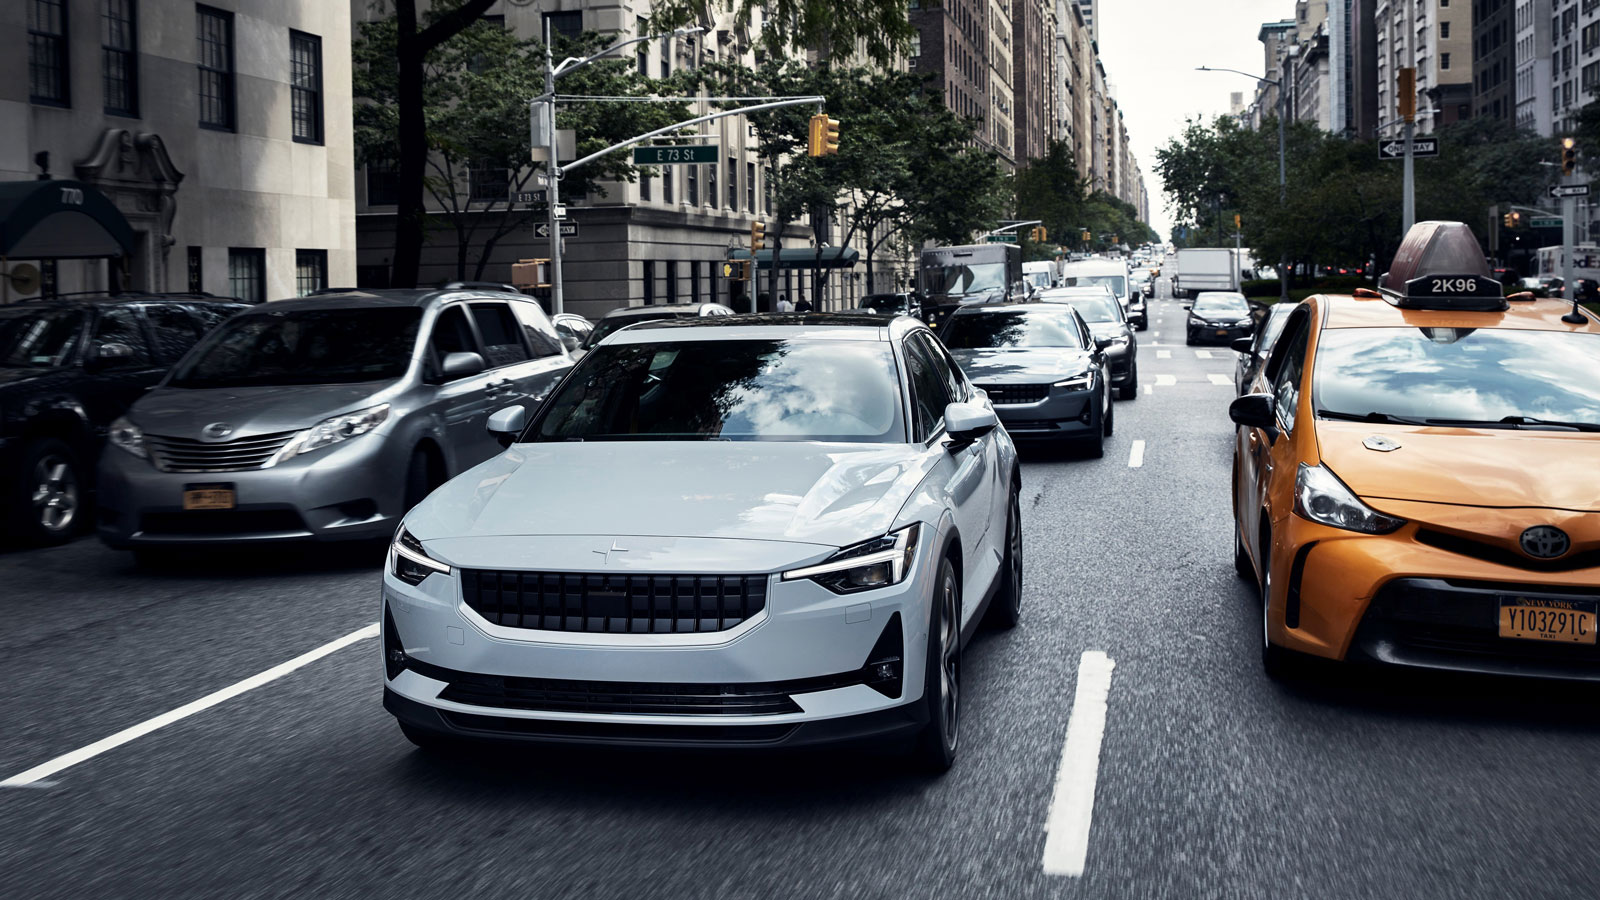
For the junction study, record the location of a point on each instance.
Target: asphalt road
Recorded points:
(1212, 780)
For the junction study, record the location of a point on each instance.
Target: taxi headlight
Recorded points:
(334, 430)
(410, 562)
(1320, 496)
(877, 563)
(129, 437)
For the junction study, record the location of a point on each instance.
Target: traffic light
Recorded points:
(758, 234)
(1038, 234)
(824, 136)
(1235, 221)
(1508, 220)
(1406, 93)
(1569, 156)
(1087, 237)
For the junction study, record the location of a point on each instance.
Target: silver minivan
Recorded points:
(322, 418)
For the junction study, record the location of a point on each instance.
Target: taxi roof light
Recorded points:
(1440, 265)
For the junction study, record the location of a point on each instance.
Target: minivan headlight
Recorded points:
(411, 562)
(880, 562)
(129, 437)
(334, 430)
(1320, 496)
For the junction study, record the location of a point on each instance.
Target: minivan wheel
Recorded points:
(419, 478)
(48, 493)
(941, 687)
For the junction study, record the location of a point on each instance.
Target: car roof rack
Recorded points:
(479, 285)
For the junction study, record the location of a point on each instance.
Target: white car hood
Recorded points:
(793, 492)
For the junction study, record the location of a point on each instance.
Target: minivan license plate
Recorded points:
(1548, 619)
(208, 496)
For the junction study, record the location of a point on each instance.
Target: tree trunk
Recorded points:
(413, 141)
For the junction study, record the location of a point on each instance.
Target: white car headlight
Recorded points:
(1076, 382)
(129, 437)
(880, 562)
(411, 562)
(334, 430)
(1320, 496)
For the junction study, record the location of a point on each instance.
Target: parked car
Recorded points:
(1043, 370)
(624, 316)
(323, 418)
(1253, 350)
(573, 329)
(903, 303)
(1218, 317)
(68, 368)
(1108, 323)
(718, 532)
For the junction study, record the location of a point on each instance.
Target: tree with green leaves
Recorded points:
(837, 29)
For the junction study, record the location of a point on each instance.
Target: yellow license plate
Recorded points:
(1222, 332)
(208, 498)
(1562, 621)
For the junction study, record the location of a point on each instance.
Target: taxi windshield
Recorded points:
(1460, 376)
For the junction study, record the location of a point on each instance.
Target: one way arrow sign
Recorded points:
(1420, 147)
(568, 229)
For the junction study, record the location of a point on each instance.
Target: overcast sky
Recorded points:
(1150, 49)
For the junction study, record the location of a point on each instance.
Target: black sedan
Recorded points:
(1109, 324)
(1042, 368)
(1219, 317)
(1253, 350)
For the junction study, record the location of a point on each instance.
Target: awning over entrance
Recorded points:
(60, 219)
(804, 258)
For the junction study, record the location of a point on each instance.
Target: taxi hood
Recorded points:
(798, 492)
(1504, 468)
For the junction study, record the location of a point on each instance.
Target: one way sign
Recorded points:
(1420, 147)
(568, 229)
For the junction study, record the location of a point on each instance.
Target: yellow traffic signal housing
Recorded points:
(823, 139)
(1038, 234)
(1508, 220)
(1406, 93)
(1569, 156)
(1235, 221)
(758, 236)
(1086, 236)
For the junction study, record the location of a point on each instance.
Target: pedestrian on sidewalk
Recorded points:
(784, 306)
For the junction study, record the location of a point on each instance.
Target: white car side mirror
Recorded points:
(966, 422)
(506, 424)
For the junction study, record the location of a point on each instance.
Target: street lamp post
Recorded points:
(553, 166)
(1283, 172)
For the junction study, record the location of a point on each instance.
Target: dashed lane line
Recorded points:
(1136, 455)
(1149, 389)
(1163, 354)
(35, 776)
(1066, 845)
(1166, 380)
(1203, 354)
(1220, 379)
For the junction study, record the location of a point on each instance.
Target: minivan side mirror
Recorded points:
(966, 422)
(506, 424)
(1242, 345)
(460, 365)
(108, 356)
(1188, 306)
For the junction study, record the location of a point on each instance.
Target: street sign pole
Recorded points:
(1568, 207)
(553, 181)
(1406, 94)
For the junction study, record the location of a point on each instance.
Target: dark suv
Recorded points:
(68, 368)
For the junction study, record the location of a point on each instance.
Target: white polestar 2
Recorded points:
(754, 531)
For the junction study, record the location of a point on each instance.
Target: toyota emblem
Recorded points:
(216, 431)
(1545, 542)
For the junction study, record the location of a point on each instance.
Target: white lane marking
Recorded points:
(1136, 455)
(1164, 380)
(83, 754)
(1220, 379)
(1066, 845)
(1149, 388)
(1163, 354)
(1203, 354)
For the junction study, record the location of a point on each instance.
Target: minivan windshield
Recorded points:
(1117, 283)
(1094, 308)
(38, 338)
(304, 346)
(1014, 327)
(1458, 376)
(729, 390)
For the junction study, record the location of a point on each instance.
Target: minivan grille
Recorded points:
(176, 454)
(1001, 394)
(614, 604)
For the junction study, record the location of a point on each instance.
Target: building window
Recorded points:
(694, 282)
(567, 25)
(640, 29)
(692, 192)
(305, 86)
(119, 58)
(733, 184)
(711, 185)
(214, 28)
(310, 271)
(247, 273)
(666, 57)
(672, 281)
(1444, 31)
(47, 52)
(669, 184)
(489, 181)
(644, 185)
(766, 181)
(1444, 60)
(196, 274)
(649, 282)
(750, 186)
(383, 184)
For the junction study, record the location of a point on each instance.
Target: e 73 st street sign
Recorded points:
(1420, 147)
(661, 155)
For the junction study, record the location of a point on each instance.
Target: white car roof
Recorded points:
(836, 327)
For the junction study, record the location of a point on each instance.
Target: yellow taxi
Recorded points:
(1416, 475)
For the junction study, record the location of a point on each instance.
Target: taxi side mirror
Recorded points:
(1255, 411)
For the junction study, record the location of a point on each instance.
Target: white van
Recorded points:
(1113, 273)
(1040, 276)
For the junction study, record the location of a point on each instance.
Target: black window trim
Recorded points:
(913, 426)
(516, 331)
(64, 43)
(132, 55)
(230, 81)
(435, 361)
(319, 132)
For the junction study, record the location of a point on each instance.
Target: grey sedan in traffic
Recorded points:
(322, 418)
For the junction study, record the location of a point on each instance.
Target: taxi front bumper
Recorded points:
(1417, 597)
